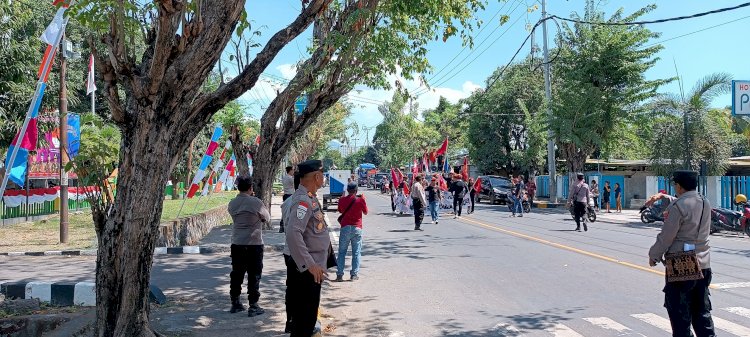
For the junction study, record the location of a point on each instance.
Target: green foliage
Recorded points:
(400, 137)
(690, 123)
(600, 84)
(507, 124)
(331, 158)
(314, 142)
(98, 156)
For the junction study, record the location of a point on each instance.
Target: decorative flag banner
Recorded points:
(206, 161)
(433, 156)
(478, 185)
(225, 176)
(215, 169)
(16, 162)
(465, 169)
(415, 166)
(90, 79)
(442, 183)
(446, 166)
(443, 148)
(426, 163)
(74, 135)
(15, 198)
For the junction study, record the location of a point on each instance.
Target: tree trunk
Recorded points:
(240, 151)
(265, 163)
(575, 159)
(128, 235)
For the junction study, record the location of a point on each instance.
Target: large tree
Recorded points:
(153, 59)
(600, 83)
(399, 138)
(447, 121)
(331, 125)
(506, 121)
(690, 123)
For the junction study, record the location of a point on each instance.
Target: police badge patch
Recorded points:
(302, 210)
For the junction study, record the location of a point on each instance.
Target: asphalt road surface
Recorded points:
(482, 275)
(488, 274)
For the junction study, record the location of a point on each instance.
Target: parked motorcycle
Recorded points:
(731, 220)
(590, 211)
(651, 214)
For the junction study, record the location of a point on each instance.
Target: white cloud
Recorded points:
(287, 70)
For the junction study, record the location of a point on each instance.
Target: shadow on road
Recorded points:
(535, 321)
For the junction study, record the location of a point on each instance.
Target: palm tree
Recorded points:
(698, 133)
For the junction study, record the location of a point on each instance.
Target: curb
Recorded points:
(64, 294)
(548, 205)
(157, 251)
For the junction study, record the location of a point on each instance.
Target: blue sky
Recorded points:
(720, 49)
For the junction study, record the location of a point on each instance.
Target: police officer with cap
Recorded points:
(686, 228)
(308, 242)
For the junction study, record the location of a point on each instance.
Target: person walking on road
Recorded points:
(433, 197)
(687, 225)
(458, 187)
(287, 181)
(351, 207)
(606, 193)
(309, 243)
(472, 195)
(518, 196)
(579, 200)
(595, 193)
(248, 215)
(418, 201)
(531, 191)
(618, 198)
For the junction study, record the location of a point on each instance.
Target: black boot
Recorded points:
(585, 228)
(288, 327)
(281, 228)
(255, 310)
(236, 305)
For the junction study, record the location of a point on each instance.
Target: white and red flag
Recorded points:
(90, 79)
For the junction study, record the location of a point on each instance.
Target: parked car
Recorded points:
(495, 189)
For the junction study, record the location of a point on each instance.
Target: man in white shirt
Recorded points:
(418, 201)
(287, 181)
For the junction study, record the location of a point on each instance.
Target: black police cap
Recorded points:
(685, 178)
(309, 166)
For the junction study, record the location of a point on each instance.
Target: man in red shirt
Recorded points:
(351, 207)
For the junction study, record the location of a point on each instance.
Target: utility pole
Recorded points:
(63, 147)
(548, 98)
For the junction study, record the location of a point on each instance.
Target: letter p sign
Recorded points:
(741, 98)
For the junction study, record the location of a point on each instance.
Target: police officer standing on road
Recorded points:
(308, 242)
(686, 228)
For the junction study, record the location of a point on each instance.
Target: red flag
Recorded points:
(48, 53)
(415, 167)
(443, 148)
(394, 177)
(465, 169)
(433, 156)
(442, 183)
(257, 140)
(478, 185)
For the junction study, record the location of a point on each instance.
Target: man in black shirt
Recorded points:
(458, 187)
(433, 198)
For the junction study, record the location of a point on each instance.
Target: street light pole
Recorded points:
(548, 98)
(63, 147)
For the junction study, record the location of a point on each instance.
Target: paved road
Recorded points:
(491, 275)
(483, 275)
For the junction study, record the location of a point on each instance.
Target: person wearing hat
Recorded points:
(687, 225)
(351, 207)
(248, 215)
(578, 198)
(308, 242)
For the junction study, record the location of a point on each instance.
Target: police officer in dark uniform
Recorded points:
(687, 227)
(308, 242)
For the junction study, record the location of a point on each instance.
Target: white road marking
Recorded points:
(655, 320)
(745, 312)
(561, 330)
(607, 324)
(730, 327)
(731, 285)
(507, 330)
(396, 334)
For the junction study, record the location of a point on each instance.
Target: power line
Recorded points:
(425, 90)
(678, 18)
(697, 31)
(475, 58)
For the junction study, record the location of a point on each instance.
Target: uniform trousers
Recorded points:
(303, 299)
(289, 262)
(246, 259)
(688, 304)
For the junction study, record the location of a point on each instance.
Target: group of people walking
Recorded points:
(430, 194)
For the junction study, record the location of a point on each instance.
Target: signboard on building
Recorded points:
(740, 98)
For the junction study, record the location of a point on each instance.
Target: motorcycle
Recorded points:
(525, 204)
(590, 210)
(651, 214)
(731, 220)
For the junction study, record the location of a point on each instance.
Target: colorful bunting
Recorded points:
(206, 161)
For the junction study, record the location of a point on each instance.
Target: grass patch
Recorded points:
(44, 235)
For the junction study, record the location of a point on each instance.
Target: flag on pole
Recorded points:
(414, 167)
(19, 167)
(443, 148)
(394, 178)
(91, 80)
(54, 28)
(446, 166)
(465, 169)
(442, 183)
(426, 163)
(478, 185)
(206, 161)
